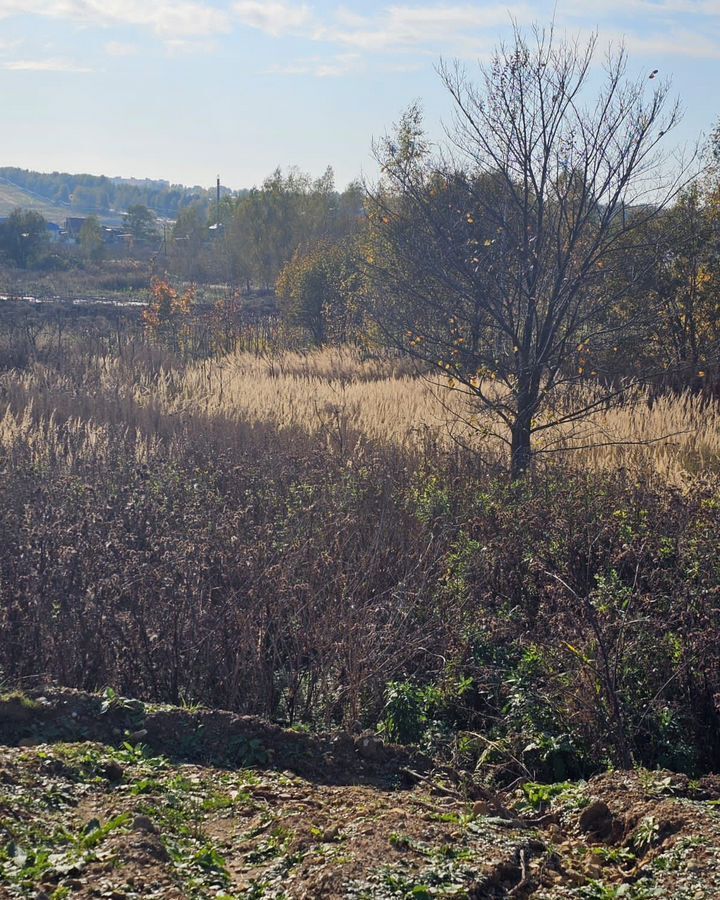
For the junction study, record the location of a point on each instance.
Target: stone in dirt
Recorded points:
(143, 823)
(370, 747)
(113, 771)
(597, 820)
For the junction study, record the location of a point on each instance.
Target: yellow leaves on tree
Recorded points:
(166, 304)
(167, 315)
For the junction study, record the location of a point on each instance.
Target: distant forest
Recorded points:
(99, 193)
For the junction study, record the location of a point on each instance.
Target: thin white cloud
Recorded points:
(642, 7)
(394, 27)
(679, 43)
(401, 68)
(450, 29)
(274, 18)
(10, 8)
(117, 48)
(44, 65)
(339, 65)
(320, 67)
(166, 18)
(455, 29)
(181, 47)
(656, 30)
(689, 28)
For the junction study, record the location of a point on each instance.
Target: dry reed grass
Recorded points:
(338, 394)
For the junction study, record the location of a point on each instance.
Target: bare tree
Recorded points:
(499, 258)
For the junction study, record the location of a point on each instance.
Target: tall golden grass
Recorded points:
(338, 395)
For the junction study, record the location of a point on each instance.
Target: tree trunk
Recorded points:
(520, 446)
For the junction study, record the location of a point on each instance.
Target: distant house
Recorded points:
(54, 232)
(73, 226)
(117, 236)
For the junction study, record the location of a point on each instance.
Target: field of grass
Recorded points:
(12, 197)
(350, 402)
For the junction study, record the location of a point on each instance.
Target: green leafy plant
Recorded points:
(430, 498)
(112, 700)
(646, 834)
(94, 833)
(538, 796)
(405, 715)
(247, 751)
(619, 856)
(209, 859)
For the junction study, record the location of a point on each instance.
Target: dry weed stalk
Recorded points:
(349, 399)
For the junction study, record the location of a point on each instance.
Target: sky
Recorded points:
(186, 89)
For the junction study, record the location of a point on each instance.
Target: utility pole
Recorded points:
(217, 207)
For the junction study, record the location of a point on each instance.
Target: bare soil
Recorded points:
(246, 809)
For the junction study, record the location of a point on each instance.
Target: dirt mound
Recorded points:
(70, 825)
(212, 737)
(118, 818)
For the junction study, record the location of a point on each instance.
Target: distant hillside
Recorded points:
(59, 194)
(12, 197)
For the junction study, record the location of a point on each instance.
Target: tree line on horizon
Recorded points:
(99, 194)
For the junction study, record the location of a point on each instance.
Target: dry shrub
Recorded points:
(265, 577)
(289, 535)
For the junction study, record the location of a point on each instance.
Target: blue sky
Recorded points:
(183, 89)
